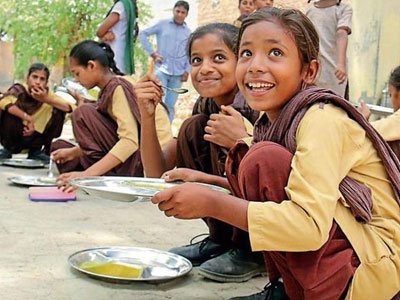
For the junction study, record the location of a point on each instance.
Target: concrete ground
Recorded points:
(37, 238)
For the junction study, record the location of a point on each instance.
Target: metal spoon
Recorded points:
(176, 90)
(50, 171)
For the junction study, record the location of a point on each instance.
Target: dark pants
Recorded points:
(194, 152)
(11, 132)
(261, 174)
(96, 134)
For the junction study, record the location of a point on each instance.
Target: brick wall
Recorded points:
(227, 10)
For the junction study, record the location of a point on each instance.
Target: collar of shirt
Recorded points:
(173, 21)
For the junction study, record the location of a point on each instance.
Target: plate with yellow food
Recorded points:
(127, 189)
(127, 264)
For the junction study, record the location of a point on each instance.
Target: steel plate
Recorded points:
(23, 163)
(126, 188)
(153, 265)
(74, 86)
(31, 181)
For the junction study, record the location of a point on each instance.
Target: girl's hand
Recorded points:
(40, 93)
(187, 175)
(29, 129)
(364, 109)
(186, 201)
(157, 57)
(108, 37)
(61, 156)
(78, 98)
(63, 180)
(226, 128)
(341, 73)
(149, 93)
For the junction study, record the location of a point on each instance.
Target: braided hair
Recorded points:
(91, 50)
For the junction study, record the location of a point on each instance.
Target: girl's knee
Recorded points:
(268, 153)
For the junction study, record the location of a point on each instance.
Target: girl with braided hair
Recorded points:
(107, 132)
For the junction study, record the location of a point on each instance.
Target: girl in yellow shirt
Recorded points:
(106, 132)
(319, 190)
(31, 116)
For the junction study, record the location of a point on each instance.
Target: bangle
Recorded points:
(24, 116)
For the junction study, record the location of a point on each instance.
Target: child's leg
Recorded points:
(96, 134)
(53, 130)
(194, 152)
(261, 176)
(11, 132)
(244, 169)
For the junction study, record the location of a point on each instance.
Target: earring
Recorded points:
(304, 85)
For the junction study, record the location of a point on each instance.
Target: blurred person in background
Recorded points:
(31, 116)
(246, 7)
(332, 19)
(259, 4)
(119, 30)
(171, 61)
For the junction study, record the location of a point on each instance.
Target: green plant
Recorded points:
(45, 30)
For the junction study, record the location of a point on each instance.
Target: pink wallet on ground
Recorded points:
(50, 194)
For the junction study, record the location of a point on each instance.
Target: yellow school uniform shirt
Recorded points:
(127, 130)
(41, 116)
(389, 128)
(331, 146)
(248, 125)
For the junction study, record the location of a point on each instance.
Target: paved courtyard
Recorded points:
(37, 238)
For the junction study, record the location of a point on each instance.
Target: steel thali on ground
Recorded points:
(32, 180)
(154, 265)
(22, 163)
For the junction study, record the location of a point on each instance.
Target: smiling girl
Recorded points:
(218, 121)
(107, 132)
(319, 190)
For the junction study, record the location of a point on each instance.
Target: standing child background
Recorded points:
(332, 20)
(119, 30)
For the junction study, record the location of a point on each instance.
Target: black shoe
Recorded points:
(39, 155)
(236, 265)
(272, 291)
(200, 252)
(4, 154)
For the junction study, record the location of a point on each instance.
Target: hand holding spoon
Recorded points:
(176, 90)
